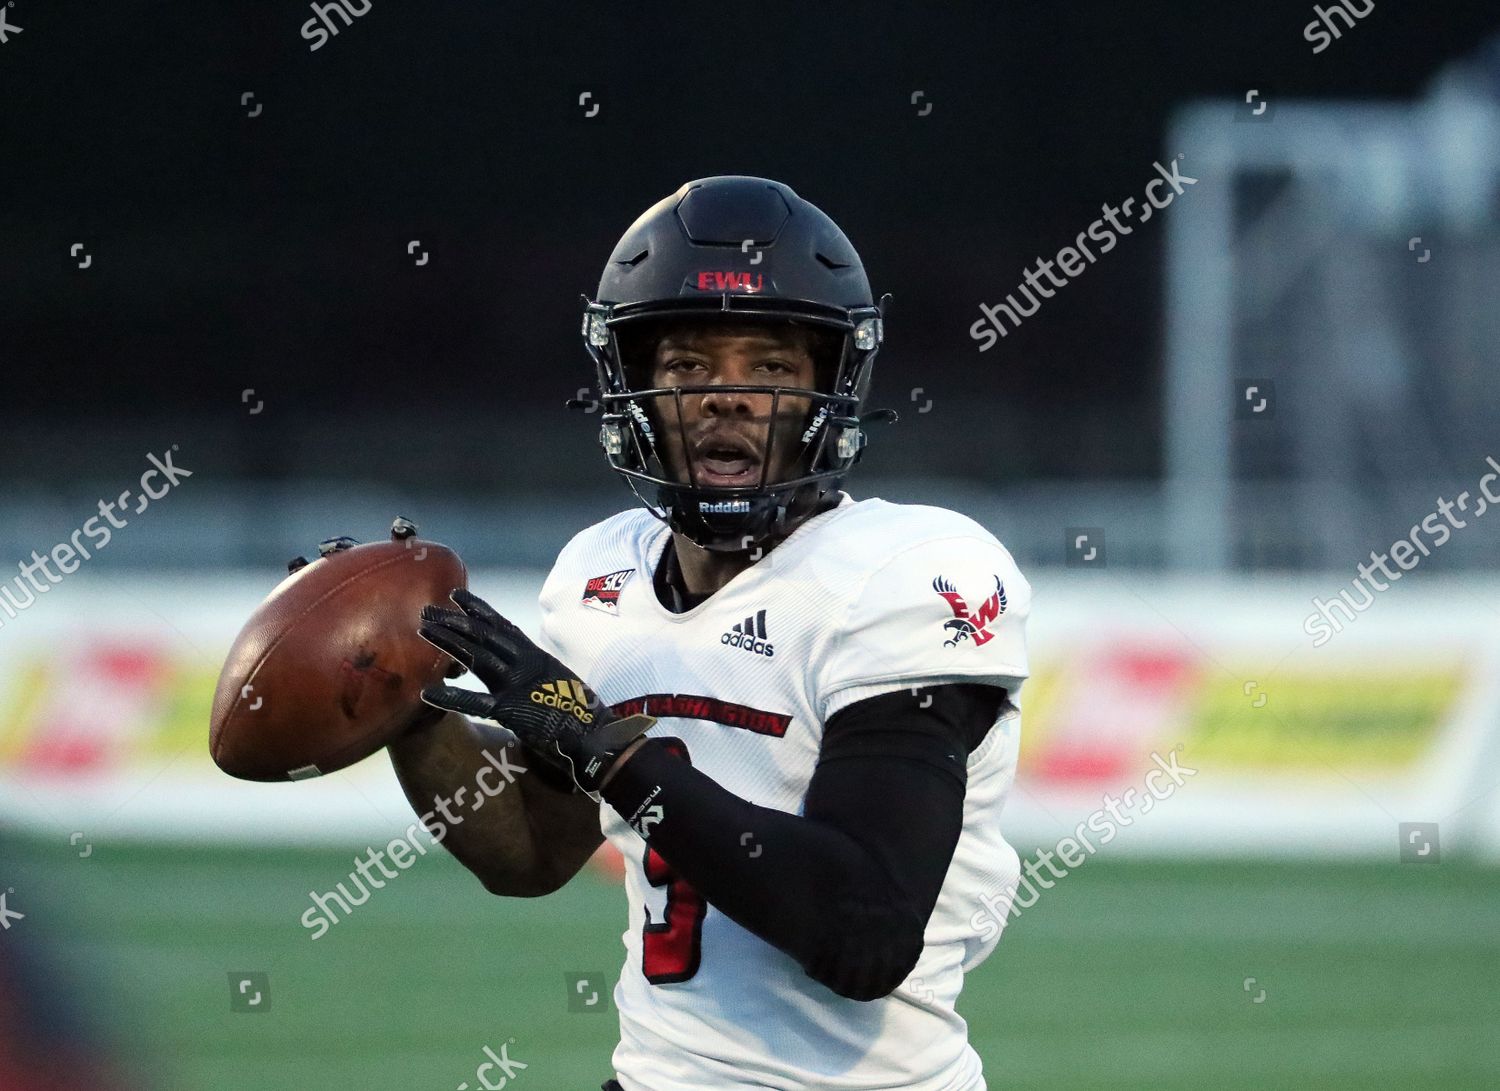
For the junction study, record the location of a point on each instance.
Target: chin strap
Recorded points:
(669, 577)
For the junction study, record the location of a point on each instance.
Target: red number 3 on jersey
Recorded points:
(671, 948)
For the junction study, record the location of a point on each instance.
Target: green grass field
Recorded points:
(1124, 975)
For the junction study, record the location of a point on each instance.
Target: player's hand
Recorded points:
(563, 726)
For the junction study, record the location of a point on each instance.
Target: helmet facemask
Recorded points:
(730, 465)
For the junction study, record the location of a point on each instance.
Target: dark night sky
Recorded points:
(233, 252)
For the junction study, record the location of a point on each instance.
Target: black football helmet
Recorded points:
(737, 250)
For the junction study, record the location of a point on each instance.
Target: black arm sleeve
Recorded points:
(846, 888)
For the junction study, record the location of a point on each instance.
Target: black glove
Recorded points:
(561, 723)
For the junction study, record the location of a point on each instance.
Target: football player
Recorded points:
(793, 713)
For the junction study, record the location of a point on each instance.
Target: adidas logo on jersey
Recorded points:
(750, 634)
(565, 695)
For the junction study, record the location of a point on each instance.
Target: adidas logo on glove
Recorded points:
(750, 634)
(565, 695)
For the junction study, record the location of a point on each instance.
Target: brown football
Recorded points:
(330, 667)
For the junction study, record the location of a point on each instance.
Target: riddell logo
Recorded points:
(723, 507)
(750, 634)
(730, 281)
(565, 695)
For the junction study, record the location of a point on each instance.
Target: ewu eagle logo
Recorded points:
(967, 623)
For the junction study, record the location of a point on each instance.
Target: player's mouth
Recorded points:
(726, 461)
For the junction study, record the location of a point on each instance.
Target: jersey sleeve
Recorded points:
(551, 601)
(947, 610)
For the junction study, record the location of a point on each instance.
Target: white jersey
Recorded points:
(866, 598)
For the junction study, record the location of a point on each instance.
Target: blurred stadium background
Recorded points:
(212, 240)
